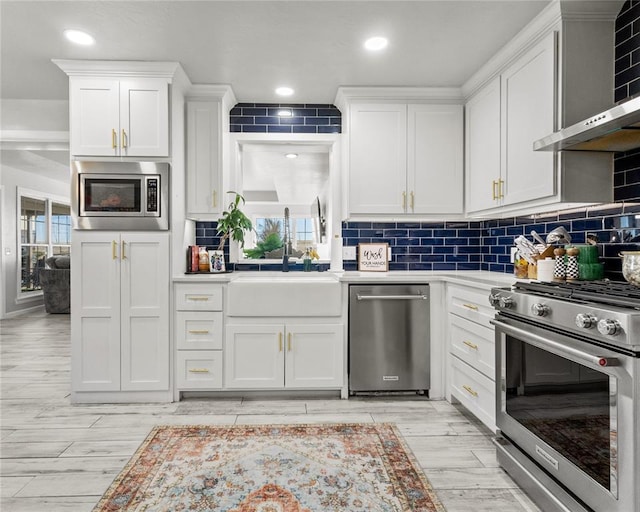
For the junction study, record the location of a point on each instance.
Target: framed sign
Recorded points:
(373, 257)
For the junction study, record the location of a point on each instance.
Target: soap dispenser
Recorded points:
(306, 261)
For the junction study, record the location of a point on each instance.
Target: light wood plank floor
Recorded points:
(59, 457)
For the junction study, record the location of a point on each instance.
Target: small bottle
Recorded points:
(203, 260)
(306, 261)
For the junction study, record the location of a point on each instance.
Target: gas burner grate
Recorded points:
(607, 292)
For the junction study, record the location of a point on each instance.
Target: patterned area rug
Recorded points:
(272, 468)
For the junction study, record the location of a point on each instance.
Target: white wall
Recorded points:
(28, 162)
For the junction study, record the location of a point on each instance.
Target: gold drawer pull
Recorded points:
(471, 306)
(198, 331)
(470, 345)
(470, 390)
(279, 342)
(288, 342)
(198, 370)
(197, 298)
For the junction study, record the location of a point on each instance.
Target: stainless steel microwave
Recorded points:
(120, 195)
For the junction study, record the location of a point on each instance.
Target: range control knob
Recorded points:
(505, 302)
(494, 300)
(609, 327)
(586, 321)
(540, 309)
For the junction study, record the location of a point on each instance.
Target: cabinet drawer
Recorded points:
(199, 330)
(198, 297)
(475, 391)
(474, 344)
(199, 369)
(471, 303)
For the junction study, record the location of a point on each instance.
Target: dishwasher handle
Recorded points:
(391, 297)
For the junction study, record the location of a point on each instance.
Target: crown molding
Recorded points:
(119, 68)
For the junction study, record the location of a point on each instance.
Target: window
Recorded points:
(44, 229)
(268, 239)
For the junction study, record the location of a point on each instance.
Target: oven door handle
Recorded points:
(542, 342)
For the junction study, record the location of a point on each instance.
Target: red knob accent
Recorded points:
(602, 361)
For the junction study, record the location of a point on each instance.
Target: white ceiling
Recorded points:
(313, 46)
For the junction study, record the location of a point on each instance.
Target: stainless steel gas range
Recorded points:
(567, 393)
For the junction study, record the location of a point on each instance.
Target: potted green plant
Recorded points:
(233, 223)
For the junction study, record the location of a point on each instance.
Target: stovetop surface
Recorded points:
(604, 292)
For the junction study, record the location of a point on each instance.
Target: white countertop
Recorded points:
(479, 278)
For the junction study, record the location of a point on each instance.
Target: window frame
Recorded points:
(49, 199)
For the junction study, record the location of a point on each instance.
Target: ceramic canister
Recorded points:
(545, 269)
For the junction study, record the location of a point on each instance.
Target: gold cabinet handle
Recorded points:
(114, 141)
(411, 200)
(470, 345)
(215, 199)
(114, 244)
(124, 256)
(198, 370)
(288, 342)
(279, 342)
(197, 298)
(494, 195)
(500, 192)
(471, 306)
(198, 331)
(404, 201)
(470, 390)
(124, 139)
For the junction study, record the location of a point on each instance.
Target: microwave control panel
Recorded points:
(152, 195)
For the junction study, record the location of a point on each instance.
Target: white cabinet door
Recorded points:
(314, 356)
(95, 311)
(109, 117)
(203, 158)
(253, 356)
(94, 115)
(482, 129)
(377, 158)
(120, 311)
(528, 108)
(435, 159)
(144, 117)
(145, 311)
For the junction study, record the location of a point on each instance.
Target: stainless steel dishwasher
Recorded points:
(389, 346)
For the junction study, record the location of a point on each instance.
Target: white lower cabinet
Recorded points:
(472, 350)
(287, 355)
(475, 391)
(120, 306)
(198, 336)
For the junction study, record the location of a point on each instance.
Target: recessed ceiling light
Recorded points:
(284, 91)
(285, 113)
(79, 37)
(375, 44)
(291, 155)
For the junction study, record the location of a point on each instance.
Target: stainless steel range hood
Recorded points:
(615, 130)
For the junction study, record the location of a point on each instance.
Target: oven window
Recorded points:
(112, 195)
(563, 403)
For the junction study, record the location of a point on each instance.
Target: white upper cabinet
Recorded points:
(435, 159)
(119, 108)
(207, 135)
(119, 117)
(378, 159)
(403, 158)
(482, 148)
(532, 87)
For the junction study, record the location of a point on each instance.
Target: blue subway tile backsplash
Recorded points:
(304, 118)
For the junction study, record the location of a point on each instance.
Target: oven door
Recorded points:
(558, 399)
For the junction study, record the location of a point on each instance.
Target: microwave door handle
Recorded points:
(557, 348)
